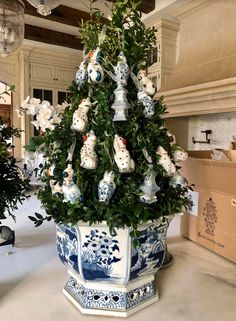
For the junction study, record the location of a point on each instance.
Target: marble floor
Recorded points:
(199, 286)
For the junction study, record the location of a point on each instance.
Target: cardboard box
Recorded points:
(212, 223)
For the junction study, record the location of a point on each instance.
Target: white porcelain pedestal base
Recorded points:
(110, 299)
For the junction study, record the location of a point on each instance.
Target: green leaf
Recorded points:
(39, 216)
(38, 223)
(32, 218)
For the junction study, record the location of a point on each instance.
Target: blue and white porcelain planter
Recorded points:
(107, 274)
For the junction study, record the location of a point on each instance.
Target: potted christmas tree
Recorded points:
(12, 181)
(112, 180)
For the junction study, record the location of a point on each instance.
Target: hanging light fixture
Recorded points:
(44, 7)
(11, 26)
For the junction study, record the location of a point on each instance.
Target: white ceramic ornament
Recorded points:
(120, 104)
(172, 138)
(82, 74)
(149, 187)
(122, 156)
(145, 89)
(120, 76)
(145, 83)
(180, 155)
(54, 184)
(88, 155)
(80, 118)
(70, 189)
(95, 70)
(165, 161)
(177, 180)
(106, 187)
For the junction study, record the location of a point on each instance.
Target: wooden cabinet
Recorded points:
(41, 72)
(47, 76)
(64, 75)
(50, 74)
(50, 82)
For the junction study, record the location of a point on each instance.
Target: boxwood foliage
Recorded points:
(13, 184)
(124, 31)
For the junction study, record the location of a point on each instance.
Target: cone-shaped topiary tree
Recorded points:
(12, 182)
(111, 157)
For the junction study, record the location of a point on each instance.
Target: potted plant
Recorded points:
(112, 180)
(12, 181)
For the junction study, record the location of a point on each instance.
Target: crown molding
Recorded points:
(213, 97)
(168, 24)
(191, 8)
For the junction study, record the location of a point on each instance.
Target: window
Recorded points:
(43, 94)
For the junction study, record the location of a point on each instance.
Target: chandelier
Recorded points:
(44, 7)
(11, 26)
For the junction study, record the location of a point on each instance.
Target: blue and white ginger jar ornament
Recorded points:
(121, 70)
(82, 74)
(106, 187)
(70, 189)
(148, 104)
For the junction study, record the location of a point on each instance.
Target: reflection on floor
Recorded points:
(199, 286)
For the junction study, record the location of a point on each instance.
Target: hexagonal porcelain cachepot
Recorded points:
(107, 274)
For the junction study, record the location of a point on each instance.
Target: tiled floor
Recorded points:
(200, 286)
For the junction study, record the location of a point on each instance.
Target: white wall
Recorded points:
(223, 127)
(206, 42)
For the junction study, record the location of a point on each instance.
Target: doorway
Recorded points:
(5, 105)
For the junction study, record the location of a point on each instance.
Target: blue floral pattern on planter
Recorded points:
(67, 246)
(111, 300)
(99, 253)
(150, 253)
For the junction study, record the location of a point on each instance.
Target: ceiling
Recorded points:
(61, 26)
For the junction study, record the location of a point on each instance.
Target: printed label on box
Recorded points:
(194, 198)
